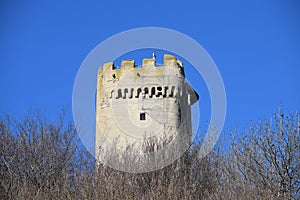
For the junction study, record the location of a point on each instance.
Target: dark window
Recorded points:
(159, 91)
(146, 90)
(125, 93)
(152, 92)
(142, 116)
(119, 93)
(166, 91)
(139, 90)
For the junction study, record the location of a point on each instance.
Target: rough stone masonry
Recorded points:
(135, 103)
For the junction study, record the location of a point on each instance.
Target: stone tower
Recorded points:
(137, 103)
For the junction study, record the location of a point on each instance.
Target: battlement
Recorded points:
(148, 81)
(169, 61)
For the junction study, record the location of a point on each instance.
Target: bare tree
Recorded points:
(267, 157)
(42, 160)
(38, 159)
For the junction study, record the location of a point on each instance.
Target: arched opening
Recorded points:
(159, 91)
(131, 93)
(172, 91)
(125, 93)
(165, 92)
(119, 93)
(146, 90)
(139, 91)
(152, 92)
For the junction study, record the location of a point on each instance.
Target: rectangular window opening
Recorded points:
(142, 116)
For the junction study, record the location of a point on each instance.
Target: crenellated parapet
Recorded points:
(149, 67)
(148, 81)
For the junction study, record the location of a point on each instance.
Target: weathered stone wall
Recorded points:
(137, 103)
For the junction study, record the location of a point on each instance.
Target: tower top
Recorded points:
(169, 74)
(169, 61)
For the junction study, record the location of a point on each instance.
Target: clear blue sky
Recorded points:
(255, 44)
